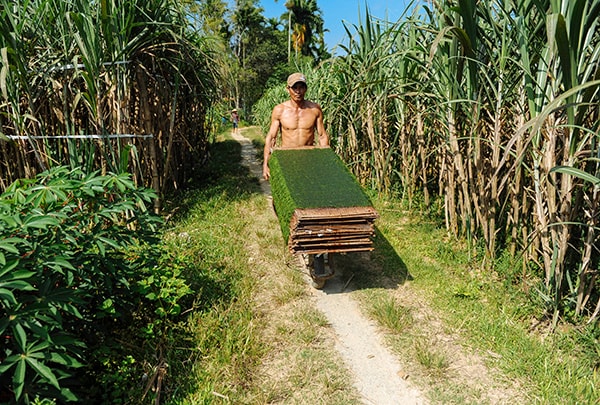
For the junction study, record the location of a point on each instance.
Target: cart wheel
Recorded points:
(319, 273)
(319, 265)
(318, 283)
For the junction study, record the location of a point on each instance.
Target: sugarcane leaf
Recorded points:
(577, 173)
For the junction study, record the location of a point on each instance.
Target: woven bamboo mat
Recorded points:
(318, 230)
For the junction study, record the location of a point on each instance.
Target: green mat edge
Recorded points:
(280, 190)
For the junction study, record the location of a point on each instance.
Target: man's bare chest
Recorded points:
(298, 119)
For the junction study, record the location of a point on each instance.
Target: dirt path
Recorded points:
(377, 374)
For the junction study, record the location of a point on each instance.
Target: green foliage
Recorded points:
(74, 68)
(218, 342)
(165, 287)
(389, 313)
(260, 49)
(67, 274)
(427, 355)
(490, 316)
(307, 26)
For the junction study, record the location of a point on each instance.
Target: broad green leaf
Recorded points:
(101, 248)
(110, 242)
(64, 359)
(71, 309)
(18, 285)
(20, 337)
(68, 395)
(108, 306)
(8, 267)
(40, 332)
(21, 274)
(66, 340)
(8, 244)
(8, 296)
(43, 371)
(19, 378)
(39, 221)
(8, 362)
(61, 262)
(11, 221)
(175, 310)
(36, 350)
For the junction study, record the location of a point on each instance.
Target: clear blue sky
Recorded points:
(336, 11)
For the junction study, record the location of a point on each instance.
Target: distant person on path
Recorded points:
(235, 119)
(297, 119)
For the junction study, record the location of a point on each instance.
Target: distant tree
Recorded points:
(260, 49)
(210, 16)
(248, 20)
(307, 29)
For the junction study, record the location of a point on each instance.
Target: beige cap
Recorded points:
(295, 78)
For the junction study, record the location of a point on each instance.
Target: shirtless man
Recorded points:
(297, 119)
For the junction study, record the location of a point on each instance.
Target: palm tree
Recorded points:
(306, 28)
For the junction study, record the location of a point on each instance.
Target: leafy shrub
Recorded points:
(73, 247)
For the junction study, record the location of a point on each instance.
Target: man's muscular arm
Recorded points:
(323, 137)
(271, 139)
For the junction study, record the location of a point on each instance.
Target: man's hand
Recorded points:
(266, 172)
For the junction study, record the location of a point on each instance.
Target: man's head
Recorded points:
(296, 87)
(296, 78)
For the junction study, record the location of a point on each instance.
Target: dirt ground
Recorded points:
(377, 375)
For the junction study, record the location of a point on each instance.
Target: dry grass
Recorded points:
(301, 364)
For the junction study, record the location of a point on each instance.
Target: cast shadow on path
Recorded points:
(380, 268)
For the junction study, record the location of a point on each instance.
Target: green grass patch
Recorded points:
(498, 320)
(388, 312)
(427, 355)
(215, 351)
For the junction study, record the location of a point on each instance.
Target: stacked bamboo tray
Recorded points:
(332, 230)
(320, 205)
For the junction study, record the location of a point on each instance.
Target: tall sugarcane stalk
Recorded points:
(68, 71)
(490, 98)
